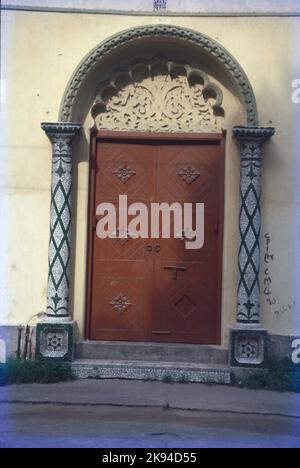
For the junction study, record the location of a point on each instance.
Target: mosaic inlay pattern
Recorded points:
(251, 141)
(61, 136)
(249, 349)
(160, 4)
(54, 342)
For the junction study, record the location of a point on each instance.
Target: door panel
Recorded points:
(155, 289)
(187, 298)
(121, 296)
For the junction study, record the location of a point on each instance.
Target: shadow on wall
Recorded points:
(81, 151)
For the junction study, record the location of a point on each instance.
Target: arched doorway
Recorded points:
(228, 99)
(149, 148)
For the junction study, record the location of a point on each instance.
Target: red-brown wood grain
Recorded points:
(157, 307)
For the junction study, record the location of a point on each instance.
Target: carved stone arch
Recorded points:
(187, 36)
(158, 95)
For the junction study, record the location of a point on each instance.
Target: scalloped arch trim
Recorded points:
(158, 95)
(147, 32)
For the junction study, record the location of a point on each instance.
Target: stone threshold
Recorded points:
(152, 352)
(145, 370)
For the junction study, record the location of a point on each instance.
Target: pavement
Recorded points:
(123, 413)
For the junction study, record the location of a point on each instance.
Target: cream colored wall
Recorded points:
(40, 52)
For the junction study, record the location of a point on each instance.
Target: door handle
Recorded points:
(174, 269)
(186, 236)
(157, 248)
(149, 248)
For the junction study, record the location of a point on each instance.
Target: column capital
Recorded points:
(59, 129)
(61, 135)
(259, 134)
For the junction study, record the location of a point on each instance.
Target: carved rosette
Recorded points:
(248, 348)
(124, 173)
(120, 303)
(251, 141)
(158, 96)
(54, 341)
(189, 174)
(61, 136)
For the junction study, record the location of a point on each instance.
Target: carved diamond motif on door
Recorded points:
(189, 174)
(185, 306)
(123, 236)
(186, 173)
(124, 173)
(119, 163)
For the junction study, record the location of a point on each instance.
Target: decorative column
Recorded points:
(248, 337)
(55, 332)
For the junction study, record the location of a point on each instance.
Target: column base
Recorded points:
(55, 340)
(248, 346)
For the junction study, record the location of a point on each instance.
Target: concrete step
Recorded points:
(147, 370)
(154, 352)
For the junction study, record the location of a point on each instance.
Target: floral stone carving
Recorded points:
(159, 96)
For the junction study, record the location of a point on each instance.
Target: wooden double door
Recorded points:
(155, 289)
